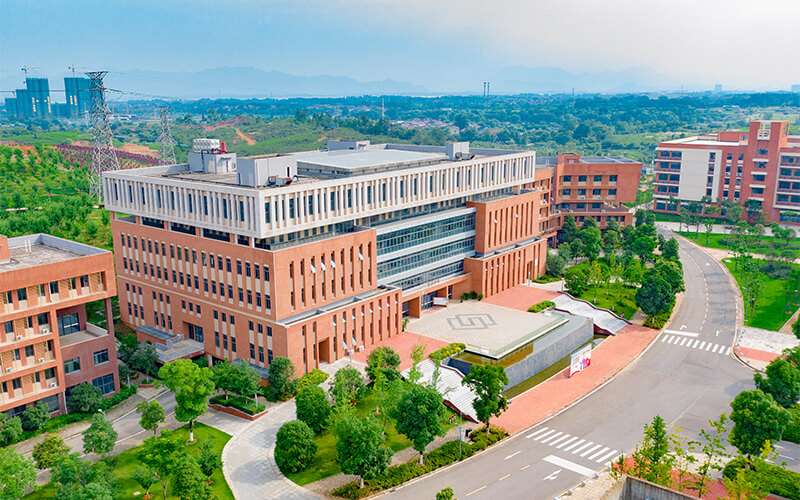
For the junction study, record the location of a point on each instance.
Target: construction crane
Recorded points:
(25, 70)
(73, 68)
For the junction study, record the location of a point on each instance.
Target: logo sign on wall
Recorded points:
(580, 360)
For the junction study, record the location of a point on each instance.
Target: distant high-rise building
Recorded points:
(32, 101)
(718, 87)
(796, 87)
(78, 98)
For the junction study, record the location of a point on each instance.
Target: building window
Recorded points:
(260, 354)
(105, 383)
(252, 351)
(72, 365)
(68, 324)
(597, 178)
(101, 357)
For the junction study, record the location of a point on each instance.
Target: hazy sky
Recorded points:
(439, 44)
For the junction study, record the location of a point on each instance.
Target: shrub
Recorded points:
(85, 398)
(35, 416)
(313, 407)
(314, 377)
(10, 429)
(294, 446)
(471, 296)
(281, 372)
(119, 397)
(447, 351)
(483, 441)
(772, 478)
(241, 403)
(659, 320)
(541, 306)
(49, 451)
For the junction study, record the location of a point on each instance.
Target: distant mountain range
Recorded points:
(247, 82)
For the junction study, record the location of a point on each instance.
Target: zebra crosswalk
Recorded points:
(575, 445)
(697, 344)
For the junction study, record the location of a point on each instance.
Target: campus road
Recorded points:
(687, 376)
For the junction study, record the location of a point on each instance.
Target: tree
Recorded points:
(554, 266)
(347, 385)
(128, 344)
(100, 436)
(188, 481)
(222, 375)
(713, 455)
(386, 360)
(85, 398)
(670, 250)
(146, 479)
(758, 420)
(419, 415)
(670, 272)
(592, 241)
(569, 229)
(152, 414)
(144, 359)
(192, 386)
(82, 480)
(487, 382)
(733, 213)
(610, 243)
(793, 355)
(654, 296)
(417, 354)
(17, 474)
(10, 429)
(312, 407)
(782, 382)
(281, 373)
(643, 246)
(644, 218)
(576, 248)
(244, 380)
(575, 280)
(35, 416)
(613, 226)
(294, 446)
(159, 453)
(651, 459)
(49, 451)
(359, 447)
(209, 460)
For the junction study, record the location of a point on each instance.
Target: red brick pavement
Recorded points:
(559, 391)
(521, 297)
(746, 352)
(403, 344)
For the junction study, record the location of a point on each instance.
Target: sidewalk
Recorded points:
(758, 347)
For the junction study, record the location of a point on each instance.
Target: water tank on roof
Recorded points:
(200, 145)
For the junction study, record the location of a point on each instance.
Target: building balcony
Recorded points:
(14, 397)
(666, 182)
(91, 332)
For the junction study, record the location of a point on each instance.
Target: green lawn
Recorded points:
(620, 299)
(769, 313)
(126, 463)
(325, 462)
(716, 240)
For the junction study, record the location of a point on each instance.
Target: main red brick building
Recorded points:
(311, 255)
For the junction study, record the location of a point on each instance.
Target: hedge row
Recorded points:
(541, 306)
(775, 479)
(447, 351)
(119, 397)
(440, 457)
(238, 402)
(658, 321)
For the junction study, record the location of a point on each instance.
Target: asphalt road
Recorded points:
(687, 376)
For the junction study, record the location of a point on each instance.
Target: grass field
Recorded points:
(770, 310)
(325, 462)
(620, 298)
(716, 240)
(49, 138)
(126, 463)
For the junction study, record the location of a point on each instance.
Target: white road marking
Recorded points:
(551, 437)
(664, 338)
(681, 332)
(552, 476)
(536, 432)
(717, 335)
(562, 438)
(584, 471)
(513, 455)
(728, 351)
(607, 456)
(695, 344)
(582, 447)
(683, 342)
(708, 346)
(671, 339)
(566, 443)
(683, 327)
(573, 445)
(593, 448)
(592, 457)
(543, 435)
(714, 350)
(702, 345)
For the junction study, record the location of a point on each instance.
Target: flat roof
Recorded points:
(486, 329)
(552, 160)
(42, 249)
(363, 158)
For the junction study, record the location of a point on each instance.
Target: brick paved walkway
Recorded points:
(403, 344)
